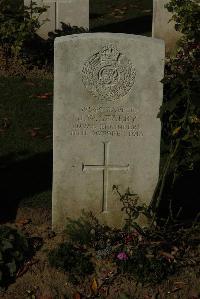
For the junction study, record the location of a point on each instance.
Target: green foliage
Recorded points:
(18, 24)
(146, 268)
(88, 232)
(148, 254)
(186, 14)
(13, 249)
(66, 29)
(140, 250)
(40, 52)
(80, 230)
(18, 37)
(132, 209)
(181, 108)
(71, 259)
(180, 112)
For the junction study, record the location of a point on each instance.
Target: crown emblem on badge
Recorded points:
(109, 54)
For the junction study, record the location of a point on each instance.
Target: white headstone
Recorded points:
(107, 94)
(162, 28)
(73, 12)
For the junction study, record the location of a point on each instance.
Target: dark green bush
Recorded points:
(79, 230)
(19, 24)
(180, 115)
(41, 52)
(13, 251)
(146, 268)
(70, 258)
(186, 16)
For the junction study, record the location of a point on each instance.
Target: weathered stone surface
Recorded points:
(162, 28)
(107, 94)
(73, 12)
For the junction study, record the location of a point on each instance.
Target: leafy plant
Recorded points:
(18, 24)
(185, 13)
(13, 250)
(46, 47)
(131, 208)
(149, 254)
(146, 268)
(139, 250)
(180, 112)
(71, 259)
(66, 29)
(81, 230)
(88, 232)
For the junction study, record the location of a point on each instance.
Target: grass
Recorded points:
(25, 141)
(24, 111)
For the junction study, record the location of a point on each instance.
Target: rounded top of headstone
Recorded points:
(109, 36)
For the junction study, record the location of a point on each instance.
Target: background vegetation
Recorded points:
(180, 114)
(151, 254)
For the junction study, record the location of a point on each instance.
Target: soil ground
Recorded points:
(40, 281)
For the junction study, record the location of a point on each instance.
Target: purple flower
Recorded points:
(122, 256)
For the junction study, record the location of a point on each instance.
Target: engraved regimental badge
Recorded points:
(108, 74)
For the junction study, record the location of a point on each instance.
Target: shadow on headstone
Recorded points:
(66, 29)
(137, 25)
(40, 52)
(21, 179)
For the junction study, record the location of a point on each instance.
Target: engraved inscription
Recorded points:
(106, 121)
(106, 167)
(108, 74)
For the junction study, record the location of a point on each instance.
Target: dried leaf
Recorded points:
(42, 96)
(77, 296)
(23, 222)
(28, 83)
(167, 255)
(180, 282)
(34, 132)
(45, 95)
(176, 289)
(25, 267)
(176, 131)
(94, 286)
(49, 94)
(147, 10)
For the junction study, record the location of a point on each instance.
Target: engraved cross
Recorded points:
(106, 167)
